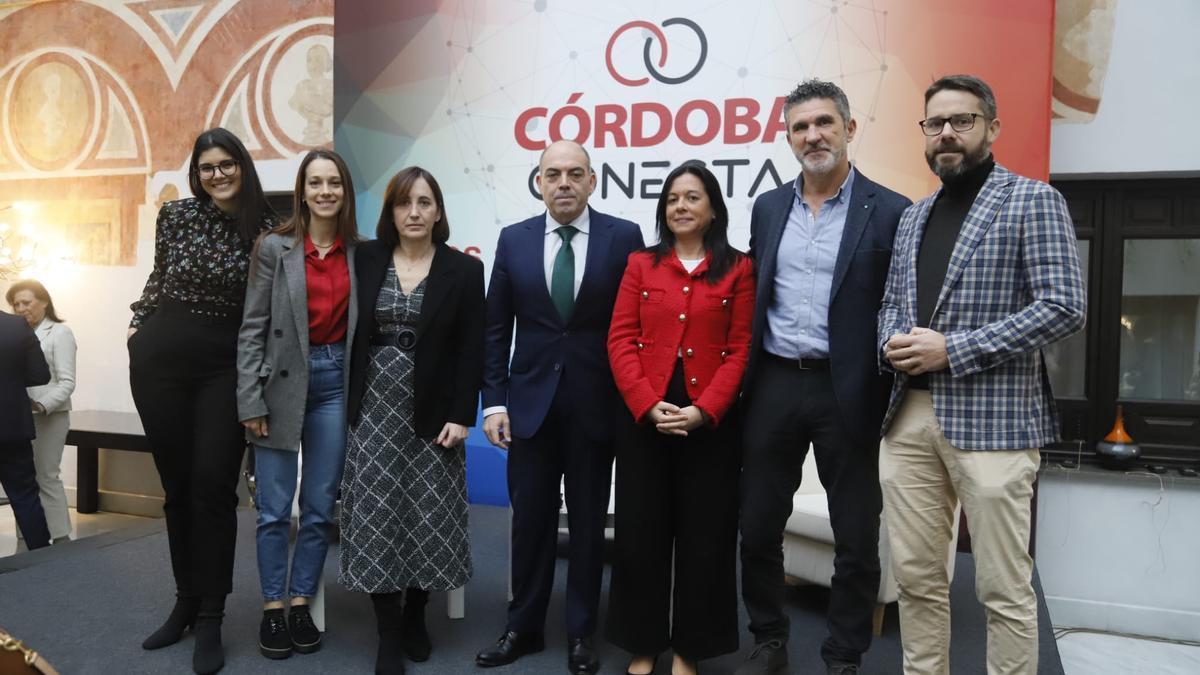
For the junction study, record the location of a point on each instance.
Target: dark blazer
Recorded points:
(545, 344)
(22, 365)
(449, 349)
(859, 277)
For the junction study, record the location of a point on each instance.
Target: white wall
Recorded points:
(1120, 552)
(1147, 116)
(95, 302)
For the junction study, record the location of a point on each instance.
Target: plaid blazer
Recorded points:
(1013, 286)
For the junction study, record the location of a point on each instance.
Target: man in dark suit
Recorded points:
(553, 407)
(821, 247)
(22, 365)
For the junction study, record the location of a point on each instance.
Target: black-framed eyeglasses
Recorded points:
(932, 126)
(225, 167)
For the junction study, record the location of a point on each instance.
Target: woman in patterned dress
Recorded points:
(182, 352)
(415, 372)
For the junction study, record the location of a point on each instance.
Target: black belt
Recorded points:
(798, 364)
(202, 310)
(405, 339)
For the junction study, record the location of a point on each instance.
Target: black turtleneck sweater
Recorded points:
(937, 242)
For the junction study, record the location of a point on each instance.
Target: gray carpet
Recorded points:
(88, 605)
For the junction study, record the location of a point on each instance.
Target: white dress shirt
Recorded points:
(553, 244)
(578, 244)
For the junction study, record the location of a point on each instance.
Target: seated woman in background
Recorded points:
(678, 345)
(51, 402)
(299, 317)
(415, 375)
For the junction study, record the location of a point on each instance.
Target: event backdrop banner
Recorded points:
(472, 90)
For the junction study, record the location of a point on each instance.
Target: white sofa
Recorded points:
(808, 543)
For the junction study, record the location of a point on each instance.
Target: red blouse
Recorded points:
(663, 313)
(328, 282)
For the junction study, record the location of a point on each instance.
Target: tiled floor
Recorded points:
(83, 525)
(1102, 654)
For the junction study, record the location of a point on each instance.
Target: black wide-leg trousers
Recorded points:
(674, 579)
(184, 383)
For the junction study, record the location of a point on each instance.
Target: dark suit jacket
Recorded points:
(859, 277)
(449, 349)
(545, 345)
(22, 365)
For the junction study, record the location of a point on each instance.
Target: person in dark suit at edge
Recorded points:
(22, 365)
(556, 276)
(821, 247)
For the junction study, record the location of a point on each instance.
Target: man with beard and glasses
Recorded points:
(821, 246)
(985, 274)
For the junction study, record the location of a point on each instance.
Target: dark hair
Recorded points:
(347, 221)
(39, 291)
(970, 84)
(398, 188)
(716, 240)
(814, 88)
(252, 203)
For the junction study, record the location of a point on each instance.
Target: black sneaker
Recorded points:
(273, 639)
(306, 639)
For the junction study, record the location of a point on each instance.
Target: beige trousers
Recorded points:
(47, 458)
(923, 477)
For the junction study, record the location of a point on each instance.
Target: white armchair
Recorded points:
(808, 543)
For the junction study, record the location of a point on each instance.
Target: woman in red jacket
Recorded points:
(678, 345)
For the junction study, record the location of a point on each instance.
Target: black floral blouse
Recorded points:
(198, 257)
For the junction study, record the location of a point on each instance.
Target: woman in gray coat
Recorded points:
(297, 326)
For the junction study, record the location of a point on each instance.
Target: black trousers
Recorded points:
(181, 372)
(787, 410)
(674, 578)
(558, 452)
(18, 477)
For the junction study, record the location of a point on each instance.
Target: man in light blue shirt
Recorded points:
(821, 248)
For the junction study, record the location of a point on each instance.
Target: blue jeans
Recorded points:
(324, 446)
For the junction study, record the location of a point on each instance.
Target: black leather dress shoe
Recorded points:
(510, 647)
(581, 657)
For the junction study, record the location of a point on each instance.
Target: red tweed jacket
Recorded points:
(663, 312)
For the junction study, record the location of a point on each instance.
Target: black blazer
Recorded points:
(22, 365)
(859, 275)
(449, 350)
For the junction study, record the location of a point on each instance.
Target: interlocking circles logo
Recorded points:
(654, 33)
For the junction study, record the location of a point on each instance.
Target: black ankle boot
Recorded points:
(182, 617)
(389, 660)
(414, 637)
(208, 656)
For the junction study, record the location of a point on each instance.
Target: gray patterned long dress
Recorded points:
(404, 499)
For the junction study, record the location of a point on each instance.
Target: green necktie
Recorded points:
(562, 275)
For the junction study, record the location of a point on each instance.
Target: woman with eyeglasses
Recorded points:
(182, 352)
(299, 318)
(415, 373)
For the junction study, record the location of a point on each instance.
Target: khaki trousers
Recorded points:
(923, 477)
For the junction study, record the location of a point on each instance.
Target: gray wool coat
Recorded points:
(272, 355)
